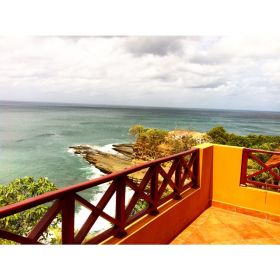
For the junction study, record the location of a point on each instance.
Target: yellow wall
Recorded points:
(226, 186)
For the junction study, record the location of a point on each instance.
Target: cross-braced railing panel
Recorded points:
(132, 192)
(261, 169)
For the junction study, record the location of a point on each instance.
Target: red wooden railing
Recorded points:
(180, 174)
(265, 165)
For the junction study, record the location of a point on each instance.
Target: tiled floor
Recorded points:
(219, 226)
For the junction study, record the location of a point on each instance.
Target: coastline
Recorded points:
(114, 157)
(108, 160)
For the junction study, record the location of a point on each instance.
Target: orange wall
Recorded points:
(226, 186)
(175, 215)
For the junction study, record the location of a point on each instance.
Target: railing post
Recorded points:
(120, 207)
(68, 215)
(196, 170)
(178, 181)
(244, 165)
(154, 192)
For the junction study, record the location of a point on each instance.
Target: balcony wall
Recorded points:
(228, 193)
(219, 184)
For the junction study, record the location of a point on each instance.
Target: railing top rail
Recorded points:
(49, 196)
(261, 151)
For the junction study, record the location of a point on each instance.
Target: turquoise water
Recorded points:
(35, 138)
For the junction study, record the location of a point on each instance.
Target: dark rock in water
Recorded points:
(81, 149)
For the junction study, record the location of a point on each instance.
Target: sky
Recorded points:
(223, 72)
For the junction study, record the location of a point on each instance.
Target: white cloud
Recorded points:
(215, 72)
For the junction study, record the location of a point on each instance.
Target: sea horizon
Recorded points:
(93, 105)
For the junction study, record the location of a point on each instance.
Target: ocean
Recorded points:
(35, 137)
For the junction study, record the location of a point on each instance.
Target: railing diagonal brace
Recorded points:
(45, 221)
(93, 216)
(265, 167)
(167, 179)
(141, 188)
(95, 210)
(17, 238)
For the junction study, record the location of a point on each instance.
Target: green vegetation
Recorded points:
(264, 177)
(22, 223)
(219, 135)
(147, 141)
(151, 143)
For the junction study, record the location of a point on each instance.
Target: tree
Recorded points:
(177, 145)
(151, 143)
(21, 189)
(147, 142)
(218, 135)
(136, 130)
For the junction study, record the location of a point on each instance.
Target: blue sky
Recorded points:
(225, 72)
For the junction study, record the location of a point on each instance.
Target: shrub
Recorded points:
(21, 189)
(219, 135)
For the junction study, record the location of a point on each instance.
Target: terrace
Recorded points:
(201, 196)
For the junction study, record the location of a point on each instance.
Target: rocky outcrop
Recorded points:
(124, 149)
(108, 162)
(124, 156)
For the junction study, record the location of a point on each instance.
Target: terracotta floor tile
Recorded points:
(230, 242)
(251, 231)
(277, 239)
(205, 213)
(272, 229)
(200, 220)
(262, 241)
(234, 218)
(272, 223)
(189, 230)
(212, 221)
(192, 237)
(218, 233)
(219, 226)
(177, 241)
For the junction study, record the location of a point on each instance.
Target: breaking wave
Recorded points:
(91, 172)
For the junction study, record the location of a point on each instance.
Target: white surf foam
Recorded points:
(71, 151)
(92, 172)
(106, 149)
(101, 224)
